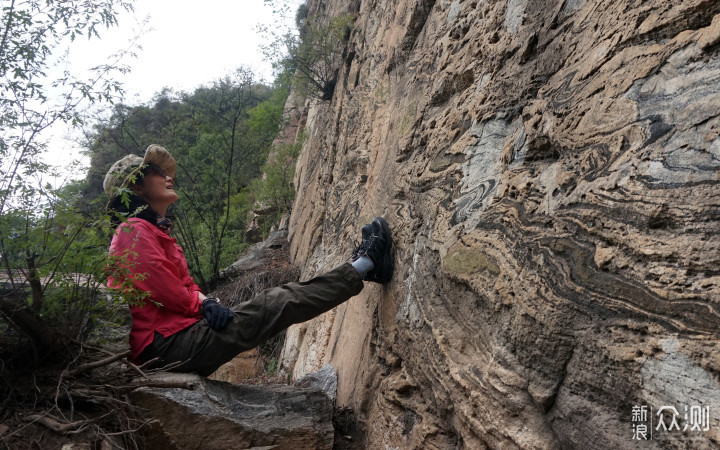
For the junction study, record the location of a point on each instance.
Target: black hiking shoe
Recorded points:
(364, 243)
(379, 250)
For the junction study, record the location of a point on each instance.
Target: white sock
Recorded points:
(363, 265)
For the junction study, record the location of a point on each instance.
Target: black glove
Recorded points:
(217, 315)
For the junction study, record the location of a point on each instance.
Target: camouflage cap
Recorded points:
(122, 172)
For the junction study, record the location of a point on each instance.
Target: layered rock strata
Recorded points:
(551, 172)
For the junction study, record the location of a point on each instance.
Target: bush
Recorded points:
(313, 55)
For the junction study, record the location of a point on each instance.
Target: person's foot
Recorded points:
(379, 250)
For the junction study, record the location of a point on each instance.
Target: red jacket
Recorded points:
(161, 260)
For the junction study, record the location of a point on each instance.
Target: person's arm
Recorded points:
(154, 273)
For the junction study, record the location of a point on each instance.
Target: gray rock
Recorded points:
(324, 379)
(256, 256)
(218, 415)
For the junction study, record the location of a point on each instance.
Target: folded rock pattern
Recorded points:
(551, 172)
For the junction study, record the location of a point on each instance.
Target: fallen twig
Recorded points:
(35, 418)
(136, 369)
(100, 363)
(170, 366)
(91, 347)
(63, 428)
(147, 422)
(156, 384)
(148, 362)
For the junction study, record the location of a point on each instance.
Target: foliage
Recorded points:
(59, 254)
(42, 238)
(53, 241)
(274, 191)
(271, 367)
(32, 31)
(212, 168)
(119, 268)
(313, 53)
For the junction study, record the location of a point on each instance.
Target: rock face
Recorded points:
(551, 172)
(218, 415)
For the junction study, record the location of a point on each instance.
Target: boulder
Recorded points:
(219, 415)
(324, 379)
(256, 256)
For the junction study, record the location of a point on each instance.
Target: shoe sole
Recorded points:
(387, 265)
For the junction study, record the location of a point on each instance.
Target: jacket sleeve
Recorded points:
(152, 271)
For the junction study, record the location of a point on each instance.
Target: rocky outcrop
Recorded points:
(551, 171)
(257, 257)
(294, 116)
(218, 415)
(324, 379)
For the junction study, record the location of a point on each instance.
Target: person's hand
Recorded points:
(217, 315)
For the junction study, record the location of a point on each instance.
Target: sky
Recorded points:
(189, 43)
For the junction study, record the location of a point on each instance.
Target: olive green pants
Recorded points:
(202, 349)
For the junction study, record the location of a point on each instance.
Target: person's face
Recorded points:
(157, 189)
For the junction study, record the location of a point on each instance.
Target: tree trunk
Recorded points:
(35, 286)
(42, 336)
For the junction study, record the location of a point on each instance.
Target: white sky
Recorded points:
(190, 43)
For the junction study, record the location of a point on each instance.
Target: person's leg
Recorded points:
(188, 347)
(203, 349)
(275, 309)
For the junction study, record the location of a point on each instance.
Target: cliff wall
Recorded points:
(551, 173)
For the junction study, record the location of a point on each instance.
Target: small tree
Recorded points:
(313, 54)
(35, 234)
(210, 170)
(32, 31)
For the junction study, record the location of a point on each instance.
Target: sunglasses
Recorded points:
(152, 168)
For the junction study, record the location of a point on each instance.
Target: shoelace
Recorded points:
(361, 248)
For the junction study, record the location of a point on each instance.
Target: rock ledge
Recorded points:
(219, 415)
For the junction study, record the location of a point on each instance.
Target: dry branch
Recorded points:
(157, 384)
(147, 422)
(59, 427)
(136, 369)
(100, 363)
